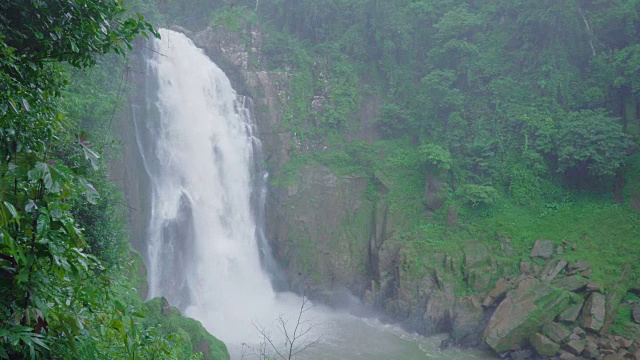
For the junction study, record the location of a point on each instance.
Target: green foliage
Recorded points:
(58, 233)
(478, 195)
(435, 156)
(234, 18)
(194, 339)
(592, 141)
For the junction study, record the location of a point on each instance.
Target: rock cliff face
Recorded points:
(334, 236)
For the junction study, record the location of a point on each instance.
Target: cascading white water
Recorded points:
(202, 244)
(198, 151)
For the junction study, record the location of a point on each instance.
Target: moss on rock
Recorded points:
(169, 320)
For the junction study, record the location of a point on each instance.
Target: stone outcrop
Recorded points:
(523, 310)
(544, 346)
(467, 322)
(572, 312)
(593, 312)
(543, 249)
(555, 332)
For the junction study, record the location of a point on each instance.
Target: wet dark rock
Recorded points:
(446, 343)
(520, 355)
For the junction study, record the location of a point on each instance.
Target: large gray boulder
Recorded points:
(593, 313)
(467, 321)
(522, 312)
(543, 249)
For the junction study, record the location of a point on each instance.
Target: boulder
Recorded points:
(554, 271)
(570, 314)
(543, 249)
(522, 312)
(575, 346)
(593, 312)
(555, 331)
(543, 345)
(578, 267)
(498, 291)
(521, 355)
(593, 287)
(614, 357)
(586, 273)
(636, 313)
(566, 355)
(591, 351)
(570, 283)
(623, 342)
(467, 320)
(438, 311)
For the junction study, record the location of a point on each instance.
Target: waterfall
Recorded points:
(206, 248)
(199, 151)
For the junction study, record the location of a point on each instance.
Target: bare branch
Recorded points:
(294, 339)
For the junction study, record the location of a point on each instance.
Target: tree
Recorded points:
(590, 141)
(45, 266)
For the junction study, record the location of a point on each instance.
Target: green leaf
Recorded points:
(43, 223)
(91, 155)
(8, 213)
(41, 172)
(89, 191)
(26, 105)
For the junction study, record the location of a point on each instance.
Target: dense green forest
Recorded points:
(525, 112)
(515, 117)
(68, 276)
